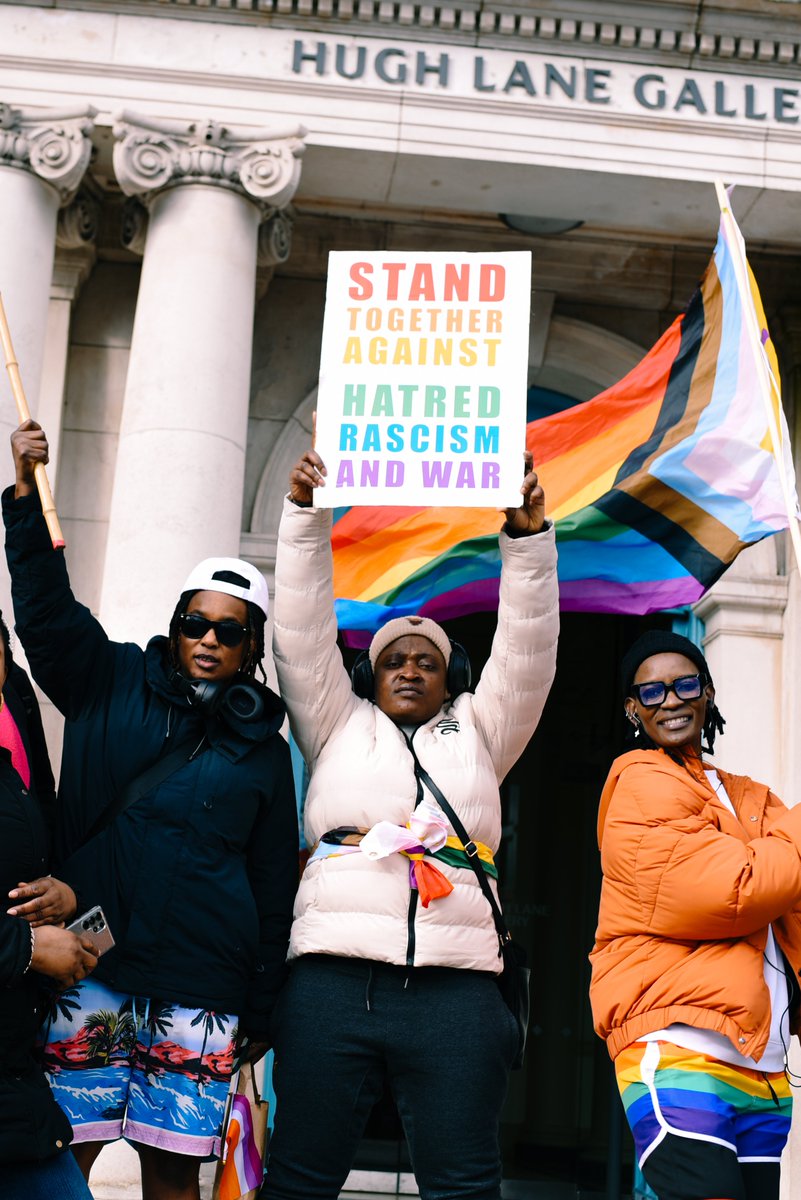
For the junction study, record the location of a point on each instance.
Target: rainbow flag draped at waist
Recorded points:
(424, 875)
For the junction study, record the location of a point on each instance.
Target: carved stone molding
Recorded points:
(746, 607)
(275, 240)
(736, 34)
(78, 221)
(133, 234)
(53, 145)
(262, 164)
(71, 269)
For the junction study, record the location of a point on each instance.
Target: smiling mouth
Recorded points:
(675, 722)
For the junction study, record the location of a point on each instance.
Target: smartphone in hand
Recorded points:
(92, 924)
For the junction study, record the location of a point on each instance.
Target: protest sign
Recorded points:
(423, 376)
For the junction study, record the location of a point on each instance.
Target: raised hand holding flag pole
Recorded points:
(40, 474)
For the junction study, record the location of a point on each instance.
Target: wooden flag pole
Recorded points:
(39, 472)
(768, 383)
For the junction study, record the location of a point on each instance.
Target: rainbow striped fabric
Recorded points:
(666, 1089)
(655, 485)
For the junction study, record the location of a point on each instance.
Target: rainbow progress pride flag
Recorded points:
(655, 485)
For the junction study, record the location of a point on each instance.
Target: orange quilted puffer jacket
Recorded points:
(688, 893)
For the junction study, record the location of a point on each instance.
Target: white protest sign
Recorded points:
(423, 378)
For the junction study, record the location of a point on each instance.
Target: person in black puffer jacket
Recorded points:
(34, 1133)
(196, 876)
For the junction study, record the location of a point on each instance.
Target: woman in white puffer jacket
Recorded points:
(394, 950)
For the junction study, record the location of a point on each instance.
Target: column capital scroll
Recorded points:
(133, 233)
(54, 145)
(78, 221)
(275, 240)
(261, 164)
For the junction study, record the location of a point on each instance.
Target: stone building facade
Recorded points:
(173, 174)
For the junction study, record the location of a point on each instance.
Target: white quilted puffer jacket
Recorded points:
(362, 770)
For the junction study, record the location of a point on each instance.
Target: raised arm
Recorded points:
(69, 654)
(312, 678)
(517, 678)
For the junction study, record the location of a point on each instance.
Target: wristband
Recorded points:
(33, 949)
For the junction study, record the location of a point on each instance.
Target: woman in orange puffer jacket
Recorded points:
(698, 946)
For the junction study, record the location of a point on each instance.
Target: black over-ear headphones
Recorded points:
(458, 679)
(238, 700)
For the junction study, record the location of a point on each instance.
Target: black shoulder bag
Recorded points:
(514, 980)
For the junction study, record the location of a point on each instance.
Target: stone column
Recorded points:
(43, 157)
(75, 256)
(744, 618)
(180, 463)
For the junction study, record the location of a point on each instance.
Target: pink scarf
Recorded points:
(10, 738)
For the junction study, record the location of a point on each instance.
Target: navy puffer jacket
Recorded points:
(197, 878)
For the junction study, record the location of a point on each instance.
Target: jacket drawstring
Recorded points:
(770, 1088)
(368, 989)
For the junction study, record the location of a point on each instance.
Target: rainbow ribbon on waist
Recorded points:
(423, 838)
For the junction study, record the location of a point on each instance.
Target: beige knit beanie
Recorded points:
(402, 627)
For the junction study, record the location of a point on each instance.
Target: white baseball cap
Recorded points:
(233, 576)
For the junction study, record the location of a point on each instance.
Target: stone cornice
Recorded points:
(152, 154)
(54, 145)
(748, 607)
(727, 34)
(71, 269)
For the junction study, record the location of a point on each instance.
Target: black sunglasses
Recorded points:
(651, 695)
(227, 633)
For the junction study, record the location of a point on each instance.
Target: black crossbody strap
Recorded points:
(148, 779)
(471, 850)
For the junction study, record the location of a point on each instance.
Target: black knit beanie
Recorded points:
(658, 641)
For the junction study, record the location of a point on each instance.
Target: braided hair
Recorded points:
(256, 622)
(663, 641)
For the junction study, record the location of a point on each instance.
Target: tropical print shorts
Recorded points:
(146, 1070)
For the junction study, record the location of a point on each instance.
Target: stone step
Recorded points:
(116, 1177)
